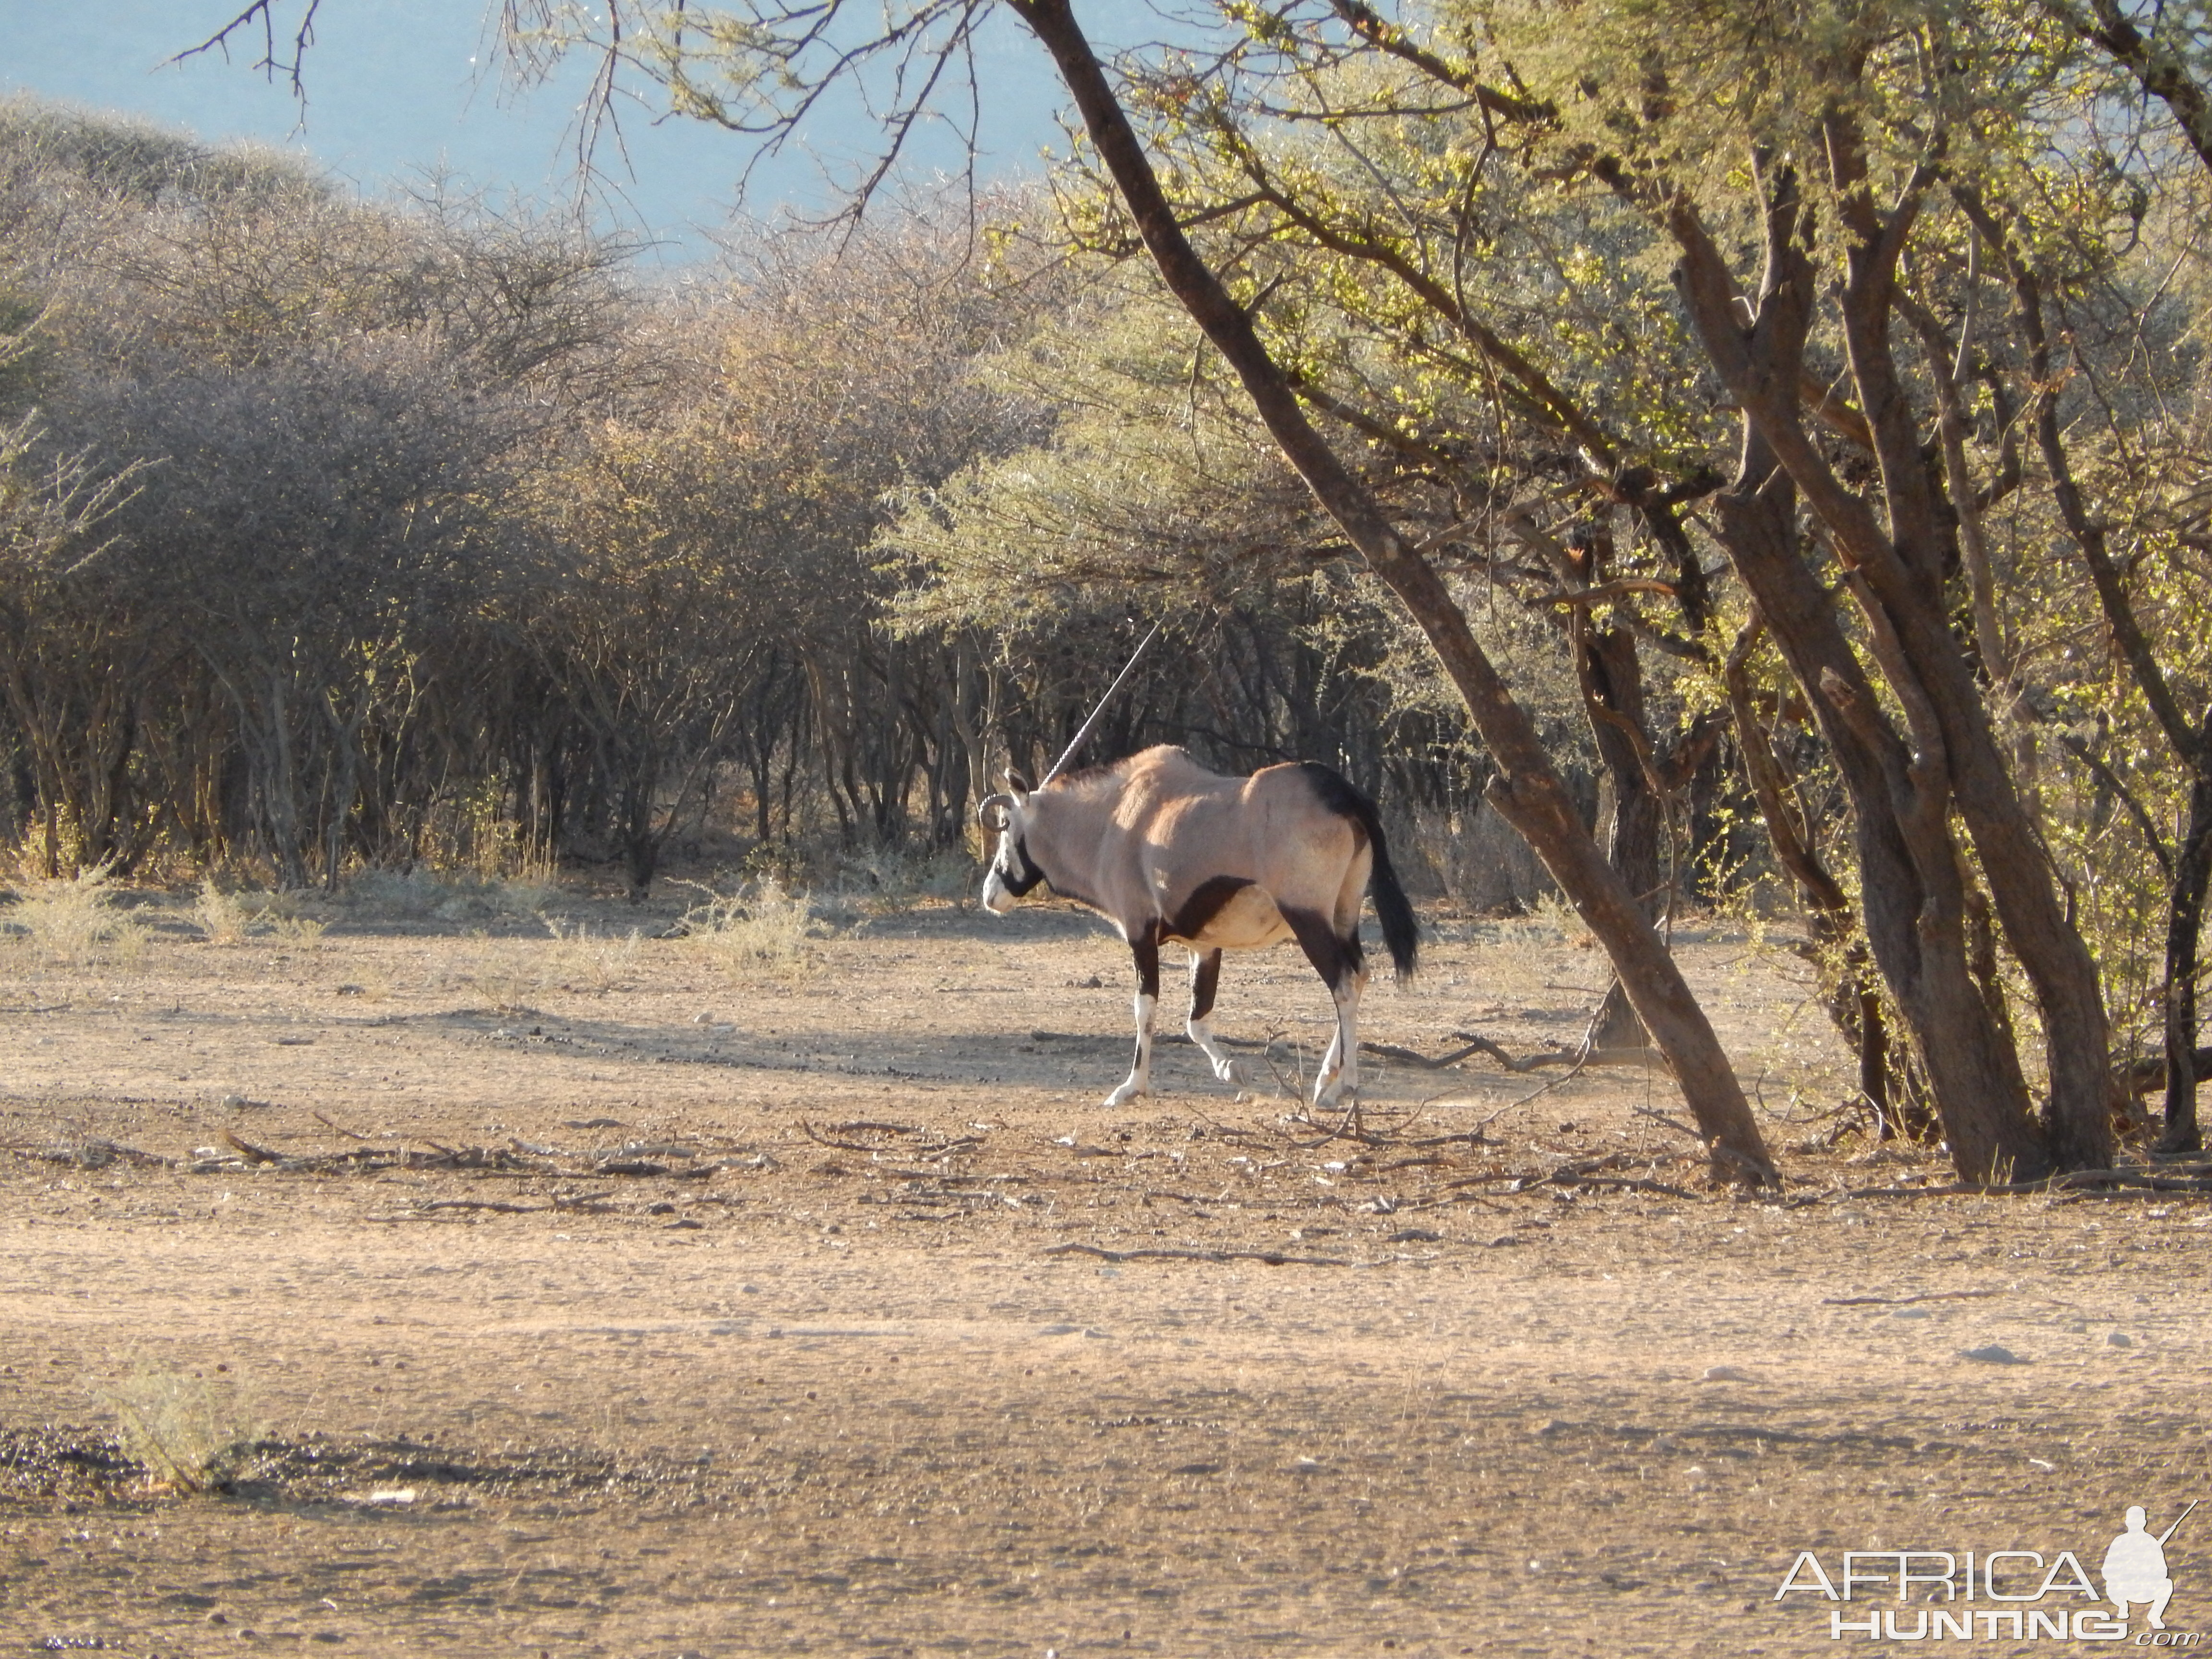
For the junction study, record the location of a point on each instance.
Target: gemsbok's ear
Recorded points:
(1016, 783)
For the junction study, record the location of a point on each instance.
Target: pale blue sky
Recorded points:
(396, 89)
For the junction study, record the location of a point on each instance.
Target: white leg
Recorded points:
(1225, 1066)
(1340, 1066)
(1204, 975)
(1140, 1073)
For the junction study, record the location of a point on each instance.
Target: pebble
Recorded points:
(2119, 1339)
(1995, 1353)
(1724, 1374)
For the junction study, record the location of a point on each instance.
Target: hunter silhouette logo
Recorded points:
(2013, 1594)
(2134, 1566)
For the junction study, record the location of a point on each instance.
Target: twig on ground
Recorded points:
(1350, 1126)
(1272, 1258)
(1626, 1183)
(252, 1154)
(1674, 1123)
(1476, 1044)
(831, 1135)
(1905, 1301)
(2074, 1183)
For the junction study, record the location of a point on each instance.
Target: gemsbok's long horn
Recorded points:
(1068, 753)
(1004, 803)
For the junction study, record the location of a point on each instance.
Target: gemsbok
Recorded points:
(1170, 853)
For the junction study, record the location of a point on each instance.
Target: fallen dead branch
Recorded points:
(1476, 1044)
(1674, 1123)
(251, 1154)
(1586, 1172)
(2149, 1076)
(1905, 1301)
(93, 1154)
(1272, 1258)
(2116, 1194)
(2074, 1184)
(1163, 1039)
(837, 1136)
(1626, 1184)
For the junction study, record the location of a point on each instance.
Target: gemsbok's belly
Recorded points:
(1247, 921)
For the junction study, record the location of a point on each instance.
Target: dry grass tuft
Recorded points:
(70, 920)
(889, 880)
(188, 1431)
(224, 917)
(768, 933)
(587, 961)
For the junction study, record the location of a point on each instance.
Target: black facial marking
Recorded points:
(1203, 985)
(1019, 876)
(1208, 900)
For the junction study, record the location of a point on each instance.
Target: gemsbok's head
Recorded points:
(1013, 874)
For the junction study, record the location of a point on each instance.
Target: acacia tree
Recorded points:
(763, 73)
(2166, 53)
(1612, 119)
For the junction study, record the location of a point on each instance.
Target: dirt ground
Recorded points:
(579, 1299)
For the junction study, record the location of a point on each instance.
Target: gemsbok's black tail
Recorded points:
(1401, 933)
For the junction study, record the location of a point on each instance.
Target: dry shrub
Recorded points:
(889, 880)
(234, 918)
(395, 892)
(585, 960)
(461, 897)
(224, 917)
(187, 1431)
(765, 932)
(70, 920)
(304, 933)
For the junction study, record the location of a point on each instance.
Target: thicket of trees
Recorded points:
(341, 533)
(1845, 354)
(1728, 441)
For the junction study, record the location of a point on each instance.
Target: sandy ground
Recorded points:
(578, 1297)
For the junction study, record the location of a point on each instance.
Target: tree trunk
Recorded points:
(1631, 812)
(1904, 576)
(1901, 796)
(2192, 866)
(1914, 901)
(1838, 947)
(1528, 792)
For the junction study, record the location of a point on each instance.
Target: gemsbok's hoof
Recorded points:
(1231, 1072)
(1127, 1092)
